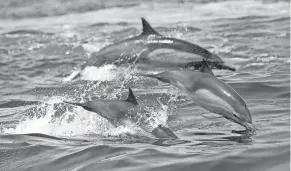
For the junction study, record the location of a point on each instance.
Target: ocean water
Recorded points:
(41, 43)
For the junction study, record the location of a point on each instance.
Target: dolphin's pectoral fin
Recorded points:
(205, 68)
(131, 98)
(147, 28)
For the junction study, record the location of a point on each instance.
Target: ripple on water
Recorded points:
(39, 132)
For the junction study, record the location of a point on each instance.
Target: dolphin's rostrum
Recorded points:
(120, 112)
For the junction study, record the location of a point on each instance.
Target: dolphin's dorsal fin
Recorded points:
(147, 28)
(205, 68)
(131, 98)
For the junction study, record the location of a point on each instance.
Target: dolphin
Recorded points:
(120, 112)
(210, 93)
(137, 49)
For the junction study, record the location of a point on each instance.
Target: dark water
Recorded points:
(42, 41)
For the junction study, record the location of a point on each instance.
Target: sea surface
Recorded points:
(42, 42)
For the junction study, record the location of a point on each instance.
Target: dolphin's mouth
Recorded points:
(250, 128)
(248, 125)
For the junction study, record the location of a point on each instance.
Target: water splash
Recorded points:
(103, 73)
(46, 119)
(52, 117)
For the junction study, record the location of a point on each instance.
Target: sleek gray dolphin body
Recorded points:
(210, 93)
(137, 49)
(120, 112)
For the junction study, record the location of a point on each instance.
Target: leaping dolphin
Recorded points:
(120, 112)
(210, 93)
(136, 50)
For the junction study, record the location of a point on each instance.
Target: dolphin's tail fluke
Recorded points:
(163, 132)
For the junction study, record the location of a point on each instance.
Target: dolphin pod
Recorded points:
(137, 49)
(210, 93)
(120, 112)
(202, 86)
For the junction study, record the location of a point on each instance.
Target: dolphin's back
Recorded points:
(110, 109)
(122, 52)
(160, 42)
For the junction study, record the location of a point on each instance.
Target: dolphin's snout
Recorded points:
(249, 126)
(245, 122)
(163, 132)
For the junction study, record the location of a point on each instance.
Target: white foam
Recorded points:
(75, 123)
(72, 76)
(157, 117)
(103, 73)
(78, 122)
(90, 48)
